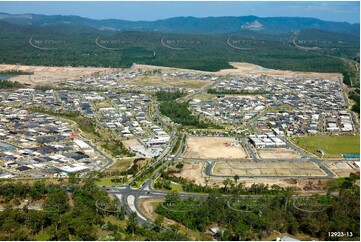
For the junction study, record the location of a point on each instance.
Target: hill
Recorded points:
(82, 45)
(215, 25)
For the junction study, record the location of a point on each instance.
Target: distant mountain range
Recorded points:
(209, 25)
(302, 44)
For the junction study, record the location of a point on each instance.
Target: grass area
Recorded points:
(333, 146)
(122, 164)
(137, 184)
(31, 181)
(156, 81)
(42, 236)
(182, 83)
(204, 96)
(114, 220)
(176, 187)
(106, 181)
(103, 104)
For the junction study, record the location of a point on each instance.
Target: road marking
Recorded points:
(120, 197)
(130, 201)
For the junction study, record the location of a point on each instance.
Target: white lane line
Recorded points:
(130, 201)
(120, 197)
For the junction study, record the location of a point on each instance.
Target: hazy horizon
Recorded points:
(151, 11)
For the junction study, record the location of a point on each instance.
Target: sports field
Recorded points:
(333, 146)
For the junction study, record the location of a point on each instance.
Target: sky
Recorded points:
(326, 10)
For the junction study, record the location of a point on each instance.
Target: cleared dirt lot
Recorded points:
(277, 153)
(157, 81)
(267, 169)
(193, 171)
(243, 68)
(130, 142)
(44, 75)
(341, 168)
(213, 148)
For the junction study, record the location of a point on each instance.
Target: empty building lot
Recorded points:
(343, 168)
(277, 153)
(231, 168)
(214, 148)
(161, 81)
(46, 75)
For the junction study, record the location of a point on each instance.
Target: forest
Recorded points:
(168, 96)
(75, 46)
(179, 113)
(5, 84)
(69, 213)
(244, 218)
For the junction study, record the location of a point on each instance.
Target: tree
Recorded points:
(132, 225)
(226, 182)
(236, 178)
(158, 223)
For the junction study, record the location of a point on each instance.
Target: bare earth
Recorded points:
(341, 168)
(277, 153)
(213, 148)
(194, 171)
(130, 142)
(49, 75)
(267, 169)
(157, 81)
(243, 68)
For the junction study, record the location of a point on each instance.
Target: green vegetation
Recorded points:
(70, 213)
(169, 96)
(162, 184)
(223, 91)
(333, 146)
(5, 84)
(356, 97)
(15, 72)
(209, 52)
(108, 181)
(177, 144)
(87, 125)
(230, 186)
(179, 113)
(247, 219)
